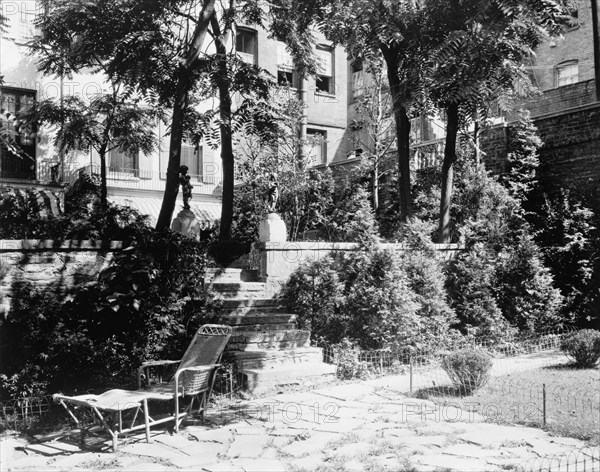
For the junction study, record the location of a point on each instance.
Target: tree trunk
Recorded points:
(179, 107)
(448, 173)
(103, 186)
(172, 184)
(402, 135)
(376, 185)
(227, 158)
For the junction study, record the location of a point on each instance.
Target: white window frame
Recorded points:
(567, 66)
(325, 71)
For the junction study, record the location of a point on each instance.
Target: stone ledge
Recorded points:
(30, 245)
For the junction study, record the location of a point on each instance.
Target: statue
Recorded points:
(186, 186)
(273, 194)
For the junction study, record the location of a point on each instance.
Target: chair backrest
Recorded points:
(207, 346)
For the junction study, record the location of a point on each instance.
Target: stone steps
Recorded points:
(286, 320)
(266, 345)
(260, 381)
(240, 290)
(271, 358)
(229, 275)
(254, 341)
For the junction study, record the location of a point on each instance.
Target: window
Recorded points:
(315, 148)
(286, 73)
(245, 45)
(325, 71)
(18, 160)
(119, 161)
(191, 157)
(567, 73)
(358, 81)
(21, 16)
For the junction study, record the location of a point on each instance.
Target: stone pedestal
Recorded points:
(272, 229)
(187, 224)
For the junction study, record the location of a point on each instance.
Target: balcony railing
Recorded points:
(147, 180)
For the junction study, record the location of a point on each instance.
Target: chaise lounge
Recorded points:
(118, 411)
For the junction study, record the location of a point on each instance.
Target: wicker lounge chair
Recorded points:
(118, 411)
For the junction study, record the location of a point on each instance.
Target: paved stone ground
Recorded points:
(348, 427)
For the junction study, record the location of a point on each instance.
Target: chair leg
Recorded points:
(146, 419)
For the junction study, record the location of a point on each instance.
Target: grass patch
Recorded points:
(572, 400)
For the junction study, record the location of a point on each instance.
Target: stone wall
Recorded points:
(278, 260)
(54, 265)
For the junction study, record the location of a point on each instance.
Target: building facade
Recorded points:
(135, 179)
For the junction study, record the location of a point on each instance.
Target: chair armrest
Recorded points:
(148, 364)
(155, 363)
(198, 368)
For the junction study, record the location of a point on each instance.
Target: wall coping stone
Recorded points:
(333, 246)
(32, 245)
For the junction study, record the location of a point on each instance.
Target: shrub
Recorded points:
(146, 305)
(468, 369)
(524, 288)
(347, 359)
(363, 295)
(469, 283)
(568, 232)
(583, 347)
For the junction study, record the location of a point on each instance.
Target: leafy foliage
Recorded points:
(468, 369)
(146, 304)
(375, 297)
(20, 216)
(568, 232)
(470, 288)
(522, 158)
(583, 347)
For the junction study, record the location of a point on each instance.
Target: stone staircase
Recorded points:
(267, 347)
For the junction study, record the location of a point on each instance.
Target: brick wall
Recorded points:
(562, 98)
(54, 265)
(570, 156)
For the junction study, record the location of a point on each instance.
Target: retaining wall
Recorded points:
(55, 265)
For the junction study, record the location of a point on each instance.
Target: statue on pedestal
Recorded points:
(186, 186)
(273, 194)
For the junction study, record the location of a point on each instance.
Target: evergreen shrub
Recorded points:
(469, 369)
(583, 347)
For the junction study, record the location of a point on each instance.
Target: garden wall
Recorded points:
(277, 260)
(55, 265)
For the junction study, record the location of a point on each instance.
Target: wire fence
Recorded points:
(579, 460)
(529, 381)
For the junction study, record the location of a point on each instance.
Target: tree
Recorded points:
(374, 125)
(479, 59)
(161, 48)
(106, 122)
(393, 30)
(268, 145)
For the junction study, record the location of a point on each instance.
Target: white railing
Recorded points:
(146, 179)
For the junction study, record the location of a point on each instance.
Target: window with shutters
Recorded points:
(191, 156)
(18, 150)
(122, 161)
(325, 76)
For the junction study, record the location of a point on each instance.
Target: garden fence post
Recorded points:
(410, 370)
(544, 404)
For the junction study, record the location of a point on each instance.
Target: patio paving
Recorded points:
(367, 425)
